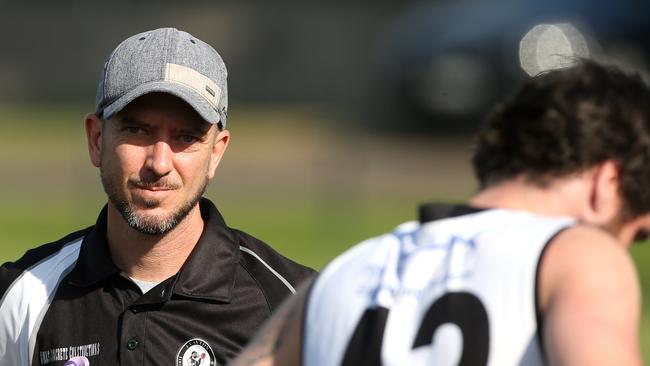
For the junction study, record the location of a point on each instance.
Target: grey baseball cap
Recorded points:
(169, 61)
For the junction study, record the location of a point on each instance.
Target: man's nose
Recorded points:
(159, 159)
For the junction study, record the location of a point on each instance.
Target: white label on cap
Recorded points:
(195, 80)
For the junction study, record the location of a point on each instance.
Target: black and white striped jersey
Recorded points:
(457, 288)
(66, 302)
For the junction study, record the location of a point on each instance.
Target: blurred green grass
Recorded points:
(309, 189)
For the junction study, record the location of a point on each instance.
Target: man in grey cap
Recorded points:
(160, 278)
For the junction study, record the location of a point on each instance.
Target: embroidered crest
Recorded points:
(195, 352)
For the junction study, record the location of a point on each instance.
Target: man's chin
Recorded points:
(151, 224)
(150, 205)
(151, 214)
(153, 219)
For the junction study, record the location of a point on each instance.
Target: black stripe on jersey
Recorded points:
(10, 271)
(364, 347)
(437, 211)
(538, 311)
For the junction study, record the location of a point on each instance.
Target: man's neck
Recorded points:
(152, 257)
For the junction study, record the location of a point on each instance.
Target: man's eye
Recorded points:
(133, 130)
(187, 139)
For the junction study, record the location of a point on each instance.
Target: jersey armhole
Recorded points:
(539, 316)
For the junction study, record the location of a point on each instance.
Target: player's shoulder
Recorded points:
(585, 257)
(66, 246)
(587, 245)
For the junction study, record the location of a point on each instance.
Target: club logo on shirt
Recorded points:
(195, 352)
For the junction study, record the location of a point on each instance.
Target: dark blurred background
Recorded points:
(424, 66)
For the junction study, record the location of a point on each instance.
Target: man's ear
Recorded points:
(605, 197)
(218, 149)
(94, 138)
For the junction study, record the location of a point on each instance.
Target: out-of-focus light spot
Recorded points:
(551, 46)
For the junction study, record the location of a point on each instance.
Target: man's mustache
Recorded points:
(155, 184)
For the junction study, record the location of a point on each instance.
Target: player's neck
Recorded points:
(561, 198)
(152, 257)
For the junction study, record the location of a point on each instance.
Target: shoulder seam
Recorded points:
(273, 271)
(260, 288)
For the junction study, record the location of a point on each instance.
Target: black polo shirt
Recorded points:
(66, 301)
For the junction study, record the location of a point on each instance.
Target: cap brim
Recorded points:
(194, 99)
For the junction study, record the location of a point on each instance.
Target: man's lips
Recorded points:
(149, 193)
(154, 187)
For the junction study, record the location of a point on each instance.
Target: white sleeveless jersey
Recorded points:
(456, 290)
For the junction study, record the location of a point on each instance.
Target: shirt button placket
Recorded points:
(132, 343)
(132, 338)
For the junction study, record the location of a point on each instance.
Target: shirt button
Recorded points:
(132, 344)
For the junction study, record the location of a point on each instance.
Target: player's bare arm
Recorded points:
(590, 298)
(279, 342)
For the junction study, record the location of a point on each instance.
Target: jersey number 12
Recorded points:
(460, 308)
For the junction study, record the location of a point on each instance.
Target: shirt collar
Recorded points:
(208, 273)
(436, 211)
(94, 263)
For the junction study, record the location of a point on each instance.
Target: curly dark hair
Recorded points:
(568, 120)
